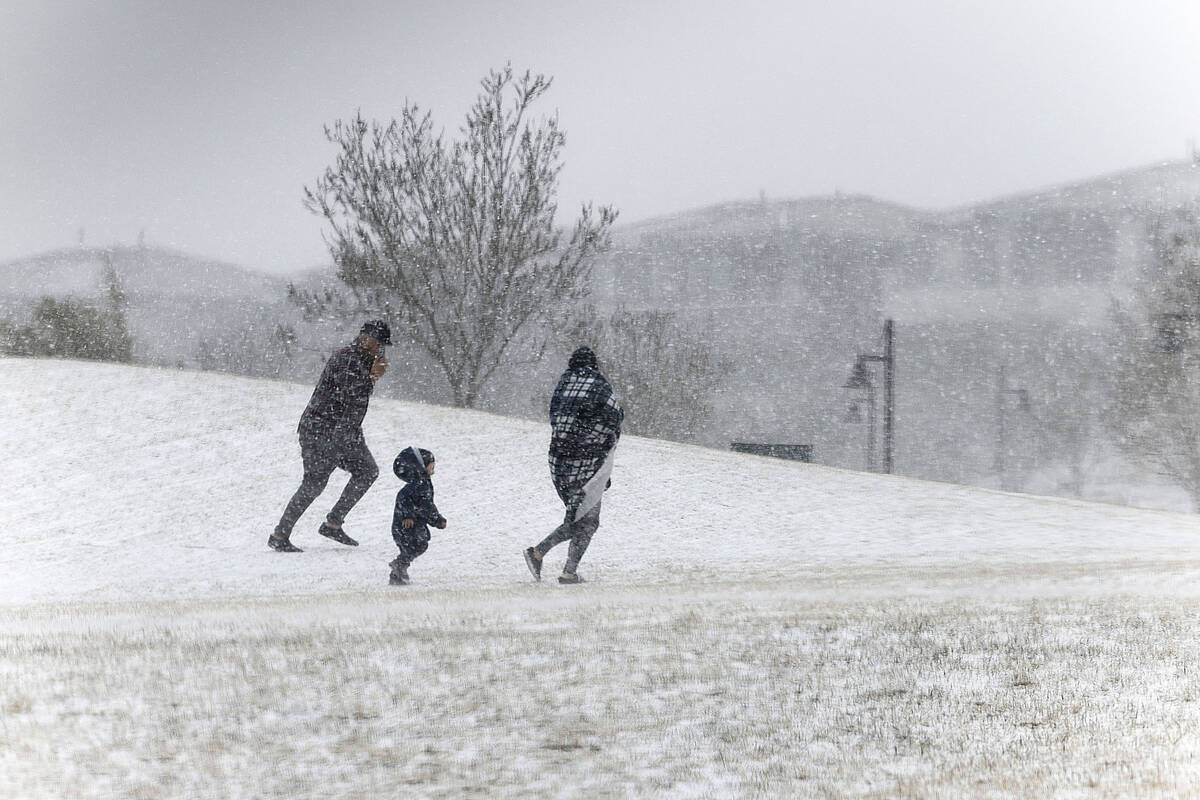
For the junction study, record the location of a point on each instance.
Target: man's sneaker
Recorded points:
(399, 574)
(282, 544)
(534, 563)
(568, 577)
(337, 534)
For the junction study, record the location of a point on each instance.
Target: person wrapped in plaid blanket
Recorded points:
(585, 421)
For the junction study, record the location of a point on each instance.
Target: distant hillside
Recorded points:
(144, 270)
(175, 300)
(793, 290)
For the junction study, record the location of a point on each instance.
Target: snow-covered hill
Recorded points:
(751, 627)
(126, 482)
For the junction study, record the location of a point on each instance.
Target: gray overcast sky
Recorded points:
(200, 122)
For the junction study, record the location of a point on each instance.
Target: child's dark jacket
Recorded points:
(415, 502)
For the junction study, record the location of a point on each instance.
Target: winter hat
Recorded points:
(583, 357)
(411, 462)
(422, 456)
(378, 329)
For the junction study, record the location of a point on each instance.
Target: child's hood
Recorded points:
(409, 466)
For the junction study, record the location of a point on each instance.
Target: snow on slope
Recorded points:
(128, 483)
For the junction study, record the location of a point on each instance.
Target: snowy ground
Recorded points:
(751, 626)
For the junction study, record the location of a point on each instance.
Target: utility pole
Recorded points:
(1001, 434)
(889, 394)
(860, 379)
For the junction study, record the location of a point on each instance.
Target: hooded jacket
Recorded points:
(415, 500)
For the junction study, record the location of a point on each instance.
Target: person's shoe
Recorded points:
(282, 543)
(534, 562)
(337, 534)
(399, 574)
(568, 577)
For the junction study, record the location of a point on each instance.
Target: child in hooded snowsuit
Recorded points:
(415, 510)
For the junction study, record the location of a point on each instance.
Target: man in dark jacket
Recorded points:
(585, 421)
(331, 435)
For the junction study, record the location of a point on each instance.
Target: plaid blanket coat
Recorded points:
(585, 421)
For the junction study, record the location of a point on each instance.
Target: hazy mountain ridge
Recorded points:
(1160, 184)
(1164, 184)
(914, 243)
(142, 269)
(825, 213)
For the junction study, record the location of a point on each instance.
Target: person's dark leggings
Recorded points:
(578, 533)
(320, 460)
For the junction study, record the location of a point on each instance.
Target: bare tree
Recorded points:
(1155, 408)
(665, 374)
(455, 242)
(255, 349)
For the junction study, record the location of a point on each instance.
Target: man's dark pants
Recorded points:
(321, 458)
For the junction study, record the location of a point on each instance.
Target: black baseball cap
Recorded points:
(378, 330)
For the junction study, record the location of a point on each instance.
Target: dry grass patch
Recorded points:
(601, 693)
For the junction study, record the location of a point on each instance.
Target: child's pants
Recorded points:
(579, 533)
(412, 542)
